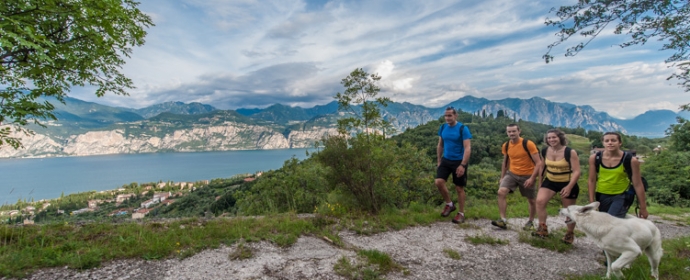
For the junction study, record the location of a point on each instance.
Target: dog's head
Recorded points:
(574, 212)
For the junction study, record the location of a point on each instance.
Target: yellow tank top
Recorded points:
(559, 166)
(612, 180)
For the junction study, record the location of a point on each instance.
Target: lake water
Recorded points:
(47, 178)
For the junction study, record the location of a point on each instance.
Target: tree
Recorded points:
(679, 135)
(642, 20)
(361, 88)
(49, 46)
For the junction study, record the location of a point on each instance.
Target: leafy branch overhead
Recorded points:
(47, 47)
(361, 88)
(667, 21)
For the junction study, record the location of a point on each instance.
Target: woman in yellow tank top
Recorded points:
(559, 177)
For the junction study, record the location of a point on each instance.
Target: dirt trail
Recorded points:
(418, 249)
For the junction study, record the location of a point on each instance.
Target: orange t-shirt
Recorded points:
(520, 162)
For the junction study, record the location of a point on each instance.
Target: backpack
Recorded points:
(506, 145)
(566, 154)
(630, 192)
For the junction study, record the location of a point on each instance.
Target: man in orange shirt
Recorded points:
(518, 171)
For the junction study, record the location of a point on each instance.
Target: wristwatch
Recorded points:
(464, 165)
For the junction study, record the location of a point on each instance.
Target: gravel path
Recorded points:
(418, 249)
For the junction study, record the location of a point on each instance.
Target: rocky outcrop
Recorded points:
(225, 137)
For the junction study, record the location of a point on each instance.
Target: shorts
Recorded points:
(448, 167)
(511, 181)
(612, 204)
(558, 186)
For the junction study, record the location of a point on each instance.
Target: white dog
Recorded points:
(626, 238)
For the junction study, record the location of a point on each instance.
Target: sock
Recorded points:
(462, 213)
(450, 204)
(504, 219)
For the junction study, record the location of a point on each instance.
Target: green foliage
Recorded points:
(680, 135)
(296, 187)
(46, 47)
(642, 20)
(668, 175)
(360, 88)
(372, 172)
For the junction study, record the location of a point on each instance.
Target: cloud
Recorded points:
(249, 53)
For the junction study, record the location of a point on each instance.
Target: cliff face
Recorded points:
(228, 136)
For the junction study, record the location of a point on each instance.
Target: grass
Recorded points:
(452, 253)
(552, 242)
(484, 239)
(370, 264)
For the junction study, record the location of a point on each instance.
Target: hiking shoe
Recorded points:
(500, 223)
(447, 210)
(459, 218)
(568, 238)
(542, 231)
(528, 226)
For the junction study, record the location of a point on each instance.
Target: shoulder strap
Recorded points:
(505, 147)
(543, 152)
(597, 161)
(462, 128)
(627, 164)
(566, 154)
(524, 145)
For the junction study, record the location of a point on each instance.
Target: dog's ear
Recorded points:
(590, 207)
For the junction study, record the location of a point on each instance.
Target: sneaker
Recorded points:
(569, 238)
(447, 210)
(542, 231)
(459, 218)
(500, 223)
(528, 226)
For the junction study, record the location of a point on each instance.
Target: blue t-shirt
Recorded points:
(452, 144)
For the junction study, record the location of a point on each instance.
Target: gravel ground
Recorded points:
(418, 249)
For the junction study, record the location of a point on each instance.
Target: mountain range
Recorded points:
(87, 128)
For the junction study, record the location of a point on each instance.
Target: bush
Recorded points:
(370, 172)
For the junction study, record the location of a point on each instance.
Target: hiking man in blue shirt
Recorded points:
(453, 155)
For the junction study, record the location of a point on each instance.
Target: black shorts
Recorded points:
(558, 186)
(448, 167)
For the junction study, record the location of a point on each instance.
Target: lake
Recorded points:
(47, 178)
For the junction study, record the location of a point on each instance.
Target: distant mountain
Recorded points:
(651, 123)
(540, 110)
(91, 114)
(180, 108)
(283, 114)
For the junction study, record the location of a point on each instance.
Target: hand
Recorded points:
(643, 213)
(529, 183)
(460, 171)
(565, 192)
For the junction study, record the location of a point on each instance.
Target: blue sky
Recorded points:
(254, 53)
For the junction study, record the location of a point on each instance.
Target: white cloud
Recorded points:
(249, 53)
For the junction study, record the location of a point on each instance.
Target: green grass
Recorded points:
(452, 253)
(552, 242)
(370, 264)
(484, 239)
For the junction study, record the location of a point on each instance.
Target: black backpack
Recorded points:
(566, 154)
(627, 166)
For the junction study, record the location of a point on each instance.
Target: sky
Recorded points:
(254, 53)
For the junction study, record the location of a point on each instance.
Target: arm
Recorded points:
(465, 157)
(575, 165)
(592, 179)
(439, 151)
(535, 173)
(639, 187)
